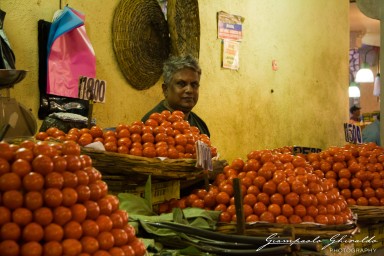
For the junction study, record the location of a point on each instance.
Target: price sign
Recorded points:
(353, 133)
(92, 89)
(203, 156)
(305, 150)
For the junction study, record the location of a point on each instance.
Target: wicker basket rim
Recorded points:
(141, 41)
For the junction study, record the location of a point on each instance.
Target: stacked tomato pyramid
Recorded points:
(53, 202)
(276, 187)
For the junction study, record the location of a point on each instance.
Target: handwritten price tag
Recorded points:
(353, 133)
(305, 150)
(204, 156)
(92, 89)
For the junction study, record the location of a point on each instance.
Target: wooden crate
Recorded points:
(369, 236)
(161, 191)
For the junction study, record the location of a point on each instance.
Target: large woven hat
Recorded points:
(141, 41)
(184, 27)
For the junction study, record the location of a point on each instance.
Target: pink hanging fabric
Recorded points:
(70, 57)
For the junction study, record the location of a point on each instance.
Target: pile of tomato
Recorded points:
(53, 202)
(164, 134)
(275, 187)
(356, 170)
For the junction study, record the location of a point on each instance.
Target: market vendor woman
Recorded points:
(181, 76)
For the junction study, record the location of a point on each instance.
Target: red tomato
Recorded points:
(10, 181)
(70, 148)
(90, 228)
(69, 196)
(116, 251)
(138, 247)
(21, 167)
(53, 197)
(5, 151)
(130, 231)
(4, 166)
(128, 250)
(70, 179)
(42, 164)
(123, 214)
(53, 232)
(73, 229)
(79, 212)
(22, 216)
(10, 231)
(43, 216)
(59, 164)
(62, 215)
(82, 177)
(105, 206)
(93, 174)
(33, 232)
(5, 215)
(106, 240)
(103, 188)
(120, 236)
(33, 181)
(95, 191)
(104, 222)
(71, 247)
(114, 201)
(73, 162)
(33, 200)
(83, 193)
(54, 180)
(117, 220)
(52, 248)
(93, 209)
(89, 244)
(32, 248)
(9, 247)
(12, 199)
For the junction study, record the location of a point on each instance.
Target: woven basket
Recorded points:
(184, 27)
(368, 214)
(299, 230)
(141, 41)
(138, 168)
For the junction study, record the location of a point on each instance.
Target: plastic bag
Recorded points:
(7, 59)
(65, 122)
(51, 103)
(70, 54)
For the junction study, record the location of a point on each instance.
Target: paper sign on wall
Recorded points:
(230, 30)
(229, 26)
(231, 54)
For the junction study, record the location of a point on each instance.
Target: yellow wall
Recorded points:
(308, 38)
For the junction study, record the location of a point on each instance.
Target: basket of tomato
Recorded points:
(163, 146)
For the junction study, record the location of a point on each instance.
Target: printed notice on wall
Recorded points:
(229, 26)
(231, 54)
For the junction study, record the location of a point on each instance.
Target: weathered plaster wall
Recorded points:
(308, 38)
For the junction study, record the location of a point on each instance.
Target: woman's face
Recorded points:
(182, 93)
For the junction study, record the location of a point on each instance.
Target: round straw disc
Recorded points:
(141, 41)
